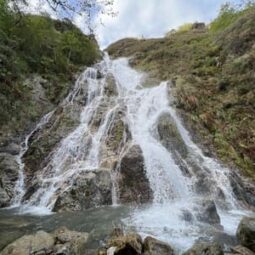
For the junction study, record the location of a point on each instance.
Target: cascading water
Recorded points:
(173, 191)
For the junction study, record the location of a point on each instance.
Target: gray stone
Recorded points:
(126, 244)
(69, 242)
(153, 246)
(133, 184)
(205, 249)
(90, 189)
(30, 244)
(246, 233)
(208, 213)
(169, 135)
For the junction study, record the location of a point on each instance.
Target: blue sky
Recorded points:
(153, 18)
(145, 18)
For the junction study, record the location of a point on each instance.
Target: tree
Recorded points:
(70, 8)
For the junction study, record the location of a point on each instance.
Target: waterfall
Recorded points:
(83, 150)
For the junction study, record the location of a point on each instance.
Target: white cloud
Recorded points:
(152, 18)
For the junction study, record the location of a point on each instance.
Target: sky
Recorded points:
(146, 18)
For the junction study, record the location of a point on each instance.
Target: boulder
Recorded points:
(110, 88)
(153, 246)
(239, 249)
(198, 26)
(125, 244)
(90, 189)
(61, 241)
(30, 244)
(69, 242)
(246, 233)
(169, 135)
(133, 184)
(9, 172)
(208, 213)
(205, 249)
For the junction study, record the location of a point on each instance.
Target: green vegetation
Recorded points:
(213, 80)
(29, 44)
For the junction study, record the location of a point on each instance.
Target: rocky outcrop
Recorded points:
(208, 213)
(62, 241)
(133, 183)
(205, 249)
(132, 244)
(169, 135)
(8, 176)
(246, 233)
(39, 243)
(88, 190)
(153, 246)
(125, 244)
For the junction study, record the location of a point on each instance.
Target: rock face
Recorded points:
(205, 249)
(8, 177)
(170, 136)
(133, 182)
(246, 233)
(153, 246)
(208, 213)
(62, 241)
(90, 189)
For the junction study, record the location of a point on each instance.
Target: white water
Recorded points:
(173, 193)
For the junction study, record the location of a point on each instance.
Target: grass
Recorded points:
(213, 73)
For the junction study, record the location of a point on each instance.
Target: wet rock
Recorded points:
(42, 143)
(4, 198)
(132, 180)
(69, 242)
(9, 171)
(187, 216)
(246, 233)
(205, 249)
(90, 189)
(110, 88)
(31, 244)
(153, 246)
(241, 250)
(208, 213)
(125, 244)
(169, 135)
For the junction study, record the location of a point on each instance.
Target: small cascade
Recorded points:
(19, 189)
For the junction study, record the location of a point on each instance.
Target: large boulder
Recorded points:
(205, 249)
(208, 213)
(9, 172)
(125, 244)
(61, 241)
(170, 136)
(246, 233)
(133, 184)
(153, 246)
(69, 242)
(31, 244)
(90, 189)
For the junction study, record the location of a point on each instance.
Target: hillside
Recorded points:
(39, 58)
(212, 74)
